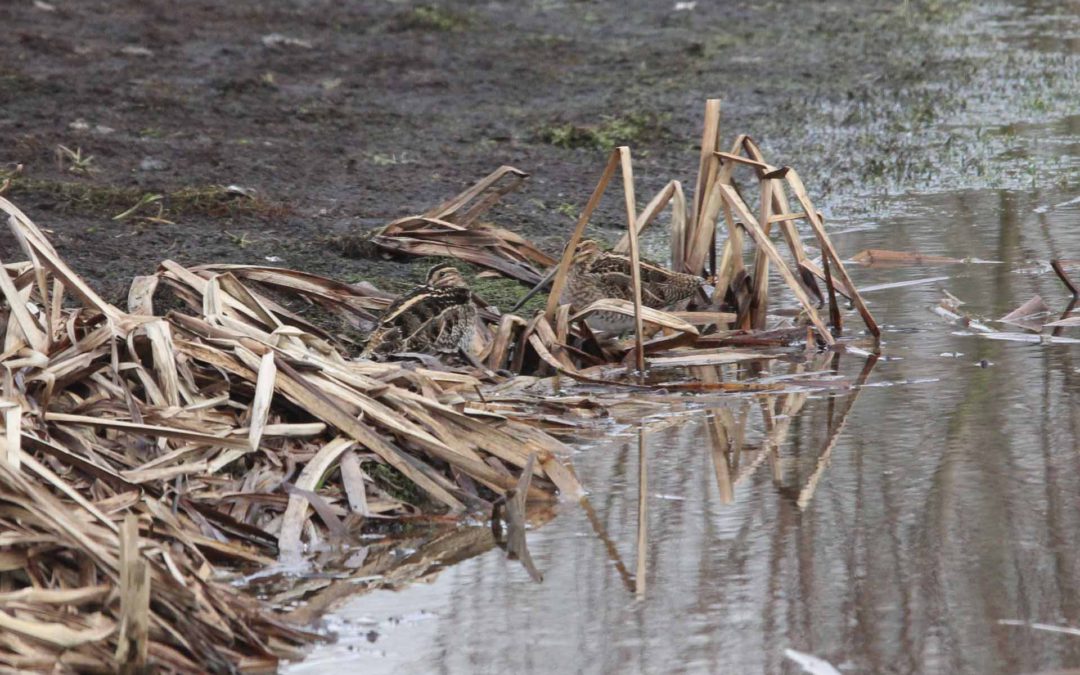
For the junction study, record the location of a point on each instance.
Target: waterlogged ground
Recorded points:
(888, 527)
(898, 543)
(341, 116)
(923, 521)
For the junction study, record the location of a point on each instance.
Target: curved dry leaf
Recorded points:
(648, 314)
(56, 634)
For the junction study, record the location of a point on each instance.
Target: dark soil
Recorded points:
(343, 116)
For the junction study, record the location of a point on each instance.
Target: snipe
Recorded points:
(595, 274)
(435, 318)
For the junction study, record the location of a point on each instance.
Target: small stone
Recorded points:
(136, 50)
(240, 190)
(278, 40)
(153, 164)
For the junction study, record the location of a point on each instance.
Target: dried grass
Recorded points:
(453, 229)
(143, 452)
(559, 342)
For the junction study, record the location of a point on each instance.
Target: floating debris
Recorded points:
(273, 40)
(1029, 315)
(813, 665)
(882, 258)
(1032, 316)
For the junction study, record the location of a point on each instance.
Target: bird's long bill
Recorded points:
(537, 288)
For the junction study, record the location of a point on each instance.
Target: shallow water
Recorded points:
(945, 504)
(889, 527)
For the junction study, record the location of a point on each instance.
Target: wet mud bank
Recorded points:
(345, 116)
(902, 531)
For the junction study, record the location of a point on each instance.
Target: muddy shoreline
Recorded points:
(256, 133)
(342, 117)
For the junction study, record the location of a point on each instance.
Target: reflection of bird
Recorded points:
(437, 317)
(595, 274)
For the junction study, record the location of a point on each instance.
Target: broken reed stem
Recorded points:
(635, 257)
(700, 235)
(648, 215)
(733, 248)
(678, 227)
(751, 226)
(827, 249)
(780, 203)
(449, 209)
(1059, 270)
(559, 282)
(834, 309)
(759, 302)
(709, 137)
(132, 647)
(774, 199)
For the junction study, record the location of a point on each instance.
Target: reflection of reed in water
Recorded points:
(635, 583)
(643, 516)
(836, 425)
(727, 427)
(381, 565)
(738, 447)
(734, 458)
(513, 505)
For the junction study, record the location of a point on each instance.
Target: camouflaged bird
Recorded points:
(438, 317)
(596, 273)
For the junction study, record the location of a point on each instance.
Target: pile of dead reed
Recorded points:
(454, 229)
(142, 450)
(146, 449)
(558, 340)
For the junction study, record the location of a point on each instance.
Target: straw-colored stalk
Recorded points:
(707, 166)
(635, 256)
(751, 226)
(558, 283)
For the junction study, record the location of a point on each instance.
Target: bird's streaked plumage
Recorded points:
(436, 318)
(595, 274)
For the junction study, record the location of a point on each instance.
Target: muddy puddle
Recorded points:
(914, 513)
(943, 505)
(903, 522)
(900, 525)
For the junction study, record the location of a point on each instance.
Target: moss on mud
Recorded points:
(612, 131)
(394, 483)
(114, 201)
(430, 18)
(504, 294)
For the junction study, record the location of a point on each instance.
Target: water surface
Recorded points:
(946, 503)
(890, 526)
